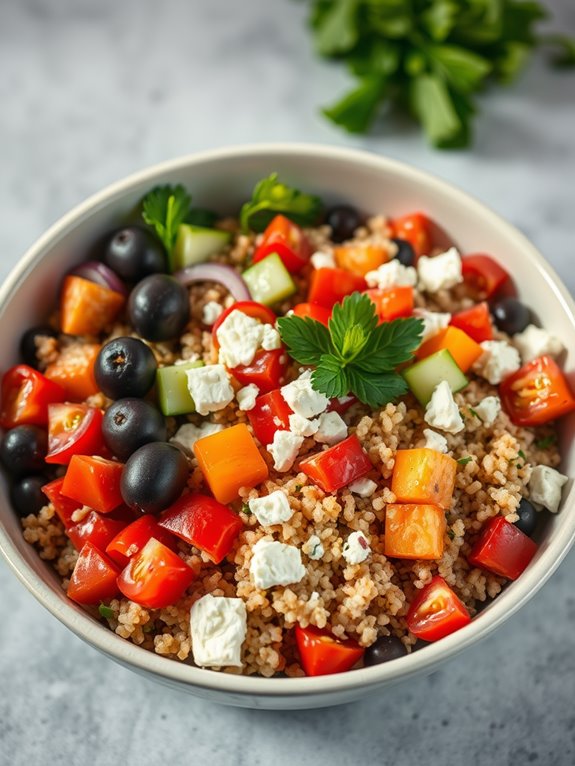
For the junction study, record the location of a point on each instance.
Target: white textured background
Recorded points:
(91, 91)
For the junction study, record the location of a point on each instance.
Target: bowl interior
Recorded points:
(222, 181)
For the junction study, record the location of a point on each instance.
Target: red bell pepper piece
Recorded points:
(337, 466)
(73, 429)
(285, 238)
(503, 549)
(95, 482)
(96, 529)
(94, 577)
(322, 654)
(203, 522)
(132, 539)
(267, 371)
(270, 414)
(414, 228)
(476, 322)
(26, 394)
(436, 612)
(155, 577)
(329, 286)
(392, 302)
(484, 275)
(537, 393)
(63, 506)
(313, 311)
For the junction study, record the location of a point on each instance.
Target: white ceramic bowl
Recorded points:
(222, 180)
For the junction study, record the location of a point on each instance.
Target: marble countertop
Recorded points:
(93, 91)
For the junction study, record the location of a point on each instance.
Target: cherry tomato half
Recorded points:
(134, 537)
(415, 228)
(94, 577)
(94, 481)
(476, 322)
(26, 394)
(436, 611)
(95, 529)
(322, 654)
(329, 286)
(484, 275)
(73, 429)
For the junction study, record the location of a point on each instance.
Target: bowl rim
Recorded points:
(102, 638)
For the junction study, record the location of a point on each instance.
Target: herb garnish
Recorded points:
(353, 354)
(246, 509)
(270, 197)
(105, 611)
(165, 208)
(474, 413)
(465, 460)
(546, 442)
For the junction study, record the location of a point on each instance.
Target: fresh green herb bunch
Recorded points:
(429, 56)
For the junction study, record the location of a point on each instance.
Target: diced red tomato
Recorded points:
(267, 371)
(155, 577)
(503, 549)
(330, 286)
(285, 238)
(484, 275)
(63, 506)
(415, 228)
(392, 302)
(322, 654)
(537, 393)
(94, 577)
(26, 394)
(73, 429)
(132, 539)
(270, 414)
(252, 309)
(96, 529)
(203, 522)
(337, 466)
(313, 311)
(436, 612)
(476, 322)
(95, 482)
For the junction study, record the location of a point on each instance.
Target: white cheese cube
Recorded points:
(240, 336)
(188, 434)
(210, 388)
(247, 396)
(302, 426)
(218, 628)
(545, 487)
(435, 441)
(313, 548)
(270, 338)
(332, 429)
(440, 272)
(497, 361)
(362, 487)
(275, 563)
(534, 342)
(303, 398)
(390, 274)
(321, 260)
(488, 409)
(284, 449)
(211, 312)
(356, 548)
(271, 509)
(433, 322)
(442, 412)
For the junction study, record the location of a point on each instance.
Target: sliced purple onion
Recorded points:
(215, 272)
(102, 275)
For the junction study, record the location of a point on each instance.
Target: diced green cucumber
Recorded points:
(172, 386)
(423, 377)
(269, 281)
(194, 244)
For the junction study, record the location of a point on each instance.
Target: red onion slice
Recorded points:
(98, 272)
(215, 272)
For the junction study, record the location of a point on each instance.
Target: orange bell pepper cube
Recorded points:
(94, 481)
(414, 531)
(230, 460)
(74, 371)
(423, 476)
(86, 308)
(462, 348)
(360, 258)
(392, 302)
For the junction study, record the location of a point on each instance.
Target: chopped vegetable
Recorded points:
(94, 481)
(106, 612)
(270, 197)
(74, 371)
(414, 228)
(285, 238)
(270, 414)
(174, 396)
(313, 311)
(252, 309)
(267, 371)
(484, 275)
(392, 302)
(337, 466)
(195, 244)
(63, 506)
(465, 460)
(96, 529)
(423, 476)
(537, 393)
(94, 577)
(360, 258)
(86, 308)
(26, 395)
(321, 653)
(414, 531)
(424, 376)
(476, 322)
(330, 286)
(73, 429)
(503, 549)
(134, 537)
(268, 281)
(436, 612)
(464, 350)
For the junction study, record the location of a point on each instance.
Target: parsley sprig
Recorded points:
(165, 208)
(353, 354)
(271, 197)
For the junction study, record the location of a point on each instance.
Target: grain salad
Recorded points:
(293, 442)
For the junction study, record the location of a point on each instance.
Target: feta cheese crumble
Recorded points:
(302, 398)
(435, 441)
(321, 260)
(433, 322)
(188, 434)
(362, 487)
(442, 412)
(302, 426)
(271, 509)
(488, 409)
(497, 361)
(210, 388)
(390, 274)
(284, 449)
(211, 312)
(356, 548)
(247, 396)
(275, 563)
(241, 336)
(545, 487)
(270, 338)
(534, 342)
(332, 429)
(313, 548)
(440, 272)
(218, 628)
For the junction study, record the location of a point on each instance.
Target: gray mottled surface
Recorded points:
(92, 91)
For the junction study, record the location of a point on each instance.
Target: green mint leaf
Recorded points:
(432, 104)
(306, 339)
(546, 442)
(390, 344)
(330, 378)
(356, 111)
(375, 389)
(462, 69)
(440, 18)
(106, 612)
(465, 460)
(165, 208)
(337, 30)
(355, 311)
(270, 197)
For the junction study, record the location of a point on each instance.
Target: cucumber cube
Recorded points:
(194, 244)
(174, 397)
(269, 281)
(423, 377)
